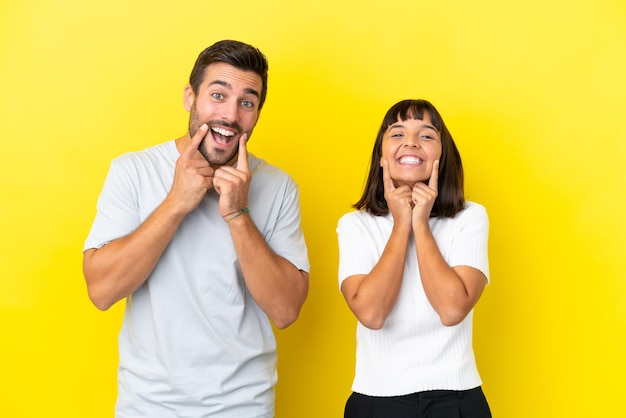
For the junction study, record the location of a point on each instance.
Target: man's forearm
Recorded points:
(120, 267)
(276, 285)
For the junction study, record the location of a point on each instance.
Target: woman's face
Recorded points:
(411, 147)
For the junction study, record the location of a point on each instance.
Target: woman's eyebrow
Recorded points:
(400, 125)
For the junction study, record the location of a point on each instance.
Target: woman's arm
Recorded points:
(371, 297)
(452, 292)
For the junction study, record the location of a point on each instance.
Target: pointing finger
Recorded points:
(242, 159)
(190, 152)
(387, 182)
(433, 182)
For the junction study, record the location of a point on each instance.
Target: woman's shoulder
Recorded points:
(471, 206)
(363, 218)
(472, 212)
(474, 207)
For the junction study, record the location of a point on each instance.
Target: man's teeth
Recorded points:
(222, 131)
(409, 160)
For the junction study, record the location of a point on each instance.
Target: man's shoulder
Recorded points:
(166, 147)
(260, 166)
(165, 150)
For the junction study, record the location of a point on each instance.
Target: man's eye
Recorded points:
(247, 103)
(218, 96)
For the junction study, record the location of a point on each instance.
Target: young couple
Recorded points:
(203, 240)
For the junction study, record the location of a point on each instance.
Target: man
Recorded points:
(204, 242)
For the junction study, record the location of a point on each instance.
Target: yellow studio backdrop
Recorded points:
(533, 92)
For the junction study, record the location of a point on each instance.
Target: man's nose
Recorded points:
(229, 111)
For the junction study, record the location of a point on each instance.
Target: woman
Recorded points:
(413, 263)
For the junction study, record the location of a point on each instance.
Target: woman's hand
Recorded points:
(399, 199)
(424, 195)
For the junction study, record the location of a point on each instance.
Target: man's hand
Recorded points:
(232, 183)
(193, 176)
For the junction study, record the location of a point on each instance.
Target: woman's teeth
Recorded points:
(409, 160)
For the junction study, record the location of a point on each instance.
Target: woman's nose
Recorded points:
(412, 141)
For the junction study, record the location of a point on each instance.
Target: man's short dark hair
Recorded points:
(238, 54)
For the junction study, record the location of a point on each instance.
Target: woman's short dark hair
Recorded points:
(238, 54)
(450, 199)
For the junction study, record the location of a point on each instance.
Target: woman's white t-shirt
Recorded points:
(413, 351)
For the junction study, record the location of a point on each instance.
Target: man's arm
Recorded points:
(277, 286)
(120, 267)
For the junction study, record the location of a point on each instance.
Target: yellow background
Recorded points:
(533, 91)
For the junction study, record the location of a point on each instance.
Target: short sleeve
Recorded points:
(470, 239)
(117, 212)
(361, 241)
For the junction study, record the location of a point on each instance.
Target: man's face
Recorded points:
(228, 102)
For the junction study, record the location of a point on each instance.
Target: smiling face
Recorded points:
(411, 147)
(228, 102)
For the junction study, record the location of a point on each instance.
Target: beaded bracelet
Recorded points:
(233, 215)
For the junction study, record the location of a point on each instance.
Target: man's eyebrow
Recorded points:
(221, 83)
(253, 92)
(229, 86)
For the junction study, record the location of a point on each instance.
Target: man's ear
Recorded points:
(188, 98)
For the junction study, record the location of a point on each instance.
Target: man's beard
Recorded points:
(217, 157)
